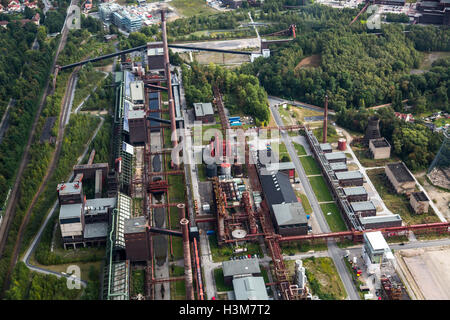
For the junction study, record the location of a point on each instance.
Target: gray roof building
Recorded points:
(289, 214)
(137, 91)
(69, 188)
(349, 175)
(99, 205)
(338, 166)
(136, 114)
(326, 147)
(67, 211)
(335, 156)
(280, 166)
(95, 230)
(355, 191)
(203, 109)
(363, 206)
(277, 188)
(240, 267)
(250, 288)
(135, 225)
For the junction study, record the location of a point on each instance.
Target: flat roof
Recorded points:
(355, 191)
(400, 172)
(137, 90)
(289, 214)
(363, 206)
(95, 230)
(99, 205)
(280, 166)
(325, 146)
(240, 267)
(380, 219)
(136, 114)
(420, 196)
(67, 211)
(69, 188)
(338, 166)
(376, 240)
(380, 143)
(203, 109)
(335, 155)
(250, 288)
(348, 175)
(135, 225)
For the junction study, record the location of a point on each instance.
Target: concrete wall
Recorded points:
(400, 187)
(380, 153)
(419, 206)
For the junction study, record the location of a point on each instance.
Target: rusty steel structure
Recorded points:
(249, 211)
(220, 201)
(187, 260)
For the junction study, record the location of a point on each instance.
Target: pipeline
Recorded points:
(173, 126)
(199, 274)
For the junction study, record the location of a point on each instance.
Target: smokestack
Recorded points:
(187, 259)
(325, 120)
(173, 126)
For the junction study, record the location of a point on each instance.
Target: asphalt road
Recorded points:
(333, 250)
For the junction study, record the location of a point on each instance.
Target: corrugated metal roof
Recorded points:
(250, 288)
(289, 214)
(325, 146)
(338, 166)
(335, 155)
(95, 230)
(363, 206)
(380, 219)
(240, 267)
(376, 240)
(280, 166)
(203, 109)
(355, 191)
(277, 188)
(348, 175)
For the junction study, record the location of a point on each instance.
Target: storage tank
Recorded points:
(342, 144)
(211, 170)
(225, 169)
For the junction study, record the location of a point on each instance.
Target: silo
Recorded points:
(225, 169)
(211, 170)
(342, 144)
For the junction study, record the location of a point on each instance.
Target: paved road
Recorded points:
(224, 44)
(333, 250)
(273, 99)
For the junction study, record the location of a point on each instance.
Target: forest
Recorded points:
(242, 91)
(357, 69)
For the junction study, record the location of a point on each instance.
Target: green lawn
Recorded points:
(291, 248)
(220, 281)
(138, 280)
(86, 83)
(201, 170)
(190, 8)
(320, 188)
(334, 220)
(310, 165)
(177, 246)
(398, 203)
(300, 149)
(226, 251)
(305, 202)
(178, 290)
(176, 188)
(323, 278)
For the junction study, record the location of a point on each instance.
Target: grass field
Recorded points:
(323, 278)
(190, 8)
(398, 203)
(300, 149)
(334, 220)
(305, 246)
(320, 189)
(305, 202)
(220, 281)
(310, 165)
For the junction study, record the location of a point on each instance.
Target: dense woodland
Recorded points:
(243, 94)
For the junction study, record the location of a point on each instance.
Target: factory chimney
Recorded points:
(187, 254)
(325, 120)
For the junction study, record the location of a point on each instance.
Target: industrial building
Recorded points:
(338, 166)
(137, 121)
(326, 147)
(137, 239)
(419, 202)
(433, 12)
(290, 219)
(82, 222)
(375, 247)
(350, 178)
(155, 56)
(336, 157)
(385, 221)
(364, 208)
(355, 194)
(204, 112)
(283, 167)
(380, 148)
(249, 288)
(400, 177)
(234, 269)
